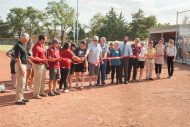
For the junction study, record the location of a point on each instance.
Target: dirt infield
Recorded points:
(158, 103)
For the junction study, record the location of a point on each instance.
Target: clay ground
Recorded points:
(158, 103)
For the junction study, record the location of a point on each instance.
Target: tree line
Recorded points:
(59, 17)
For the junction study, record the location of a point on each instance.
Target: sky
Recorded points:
(164, 10)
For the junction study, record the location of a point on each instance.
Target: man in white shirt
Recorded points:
(94, 54)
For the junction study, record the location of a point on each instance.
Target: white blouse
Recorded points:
(171, 51)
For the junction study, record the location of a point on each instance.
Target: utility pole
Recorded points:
(77, 23)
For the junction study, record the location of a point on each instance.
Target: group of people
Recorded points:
(96, 57)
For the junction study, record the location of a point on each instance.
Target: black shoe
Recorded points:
(20, 103)
(97, 84)
(134, 81)
(56, 93)
(90, 85)
(51, 94)
(117, 83)
(43, 95)
(151, 79)
(126, 82)
(103, 83)
(25, 100)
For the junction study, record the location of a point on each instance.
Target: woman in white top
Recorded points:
(141, 59)
(171, 52)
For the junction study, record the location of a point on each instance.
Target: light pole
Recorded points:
(77, 23)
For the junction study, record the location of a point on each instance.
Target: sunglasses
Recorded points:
(95, 40)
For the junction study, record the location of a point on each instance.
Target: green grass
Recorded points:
(5, 47)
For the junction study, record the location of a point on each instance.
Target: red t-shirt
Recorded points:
(67, 56)
(136, 49)
(53, 53)
(39, 51)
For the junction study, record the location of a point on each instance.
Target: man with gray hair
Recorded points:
(103, 66)
(20, 67)
(94, 53)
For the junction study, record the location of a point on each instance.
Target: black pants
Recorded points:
(125, 67)
(170, 64)
(158, 68)
(133, 63)
(116, 69)
(64, 75)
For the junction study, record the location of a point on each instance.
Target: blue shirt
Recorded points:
(114, 53)
(127, 50)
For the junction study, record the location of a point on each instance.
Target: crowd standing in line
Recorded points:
(32, 61)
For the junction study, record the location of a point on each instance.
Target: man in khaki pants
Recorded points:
(38, 64)
(150, 61)
(20, 68)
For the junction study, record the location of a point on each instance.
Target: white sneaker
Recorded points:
(66, 91)
(27, 89)
(81, 87)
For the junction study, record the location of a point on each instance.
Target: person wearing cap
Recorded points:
(133, 61)
(126, 51)
(150, 61)
(103, 65)
(39, 60)
(81, 67)
(159, 59)
(141, 59)
(94, 54)
(54, 67)
(21, 55)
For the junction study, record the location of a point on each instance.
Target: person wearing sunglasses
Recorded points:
(94, 54)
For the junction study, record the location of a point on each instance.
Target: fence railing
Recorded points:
(7, 41)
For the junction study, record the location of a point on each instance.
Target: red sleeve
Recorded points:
(70, 55)
(50, 53)
(35, 51)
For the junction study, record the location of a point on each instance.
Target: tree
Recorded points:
(34, 21)
(82, 33)
(163, 25)
(5, 30)
(140, 25)
(16, 19)
(62, 15)
(96, 23)
(115, 27)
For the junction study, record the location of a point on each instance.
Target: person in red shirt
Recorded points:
(38, 64)
(133, 61)
(54, 67)
(65, 65)
(72, 70)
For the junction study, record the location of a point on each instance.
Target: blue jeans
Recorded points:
(102, 72)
